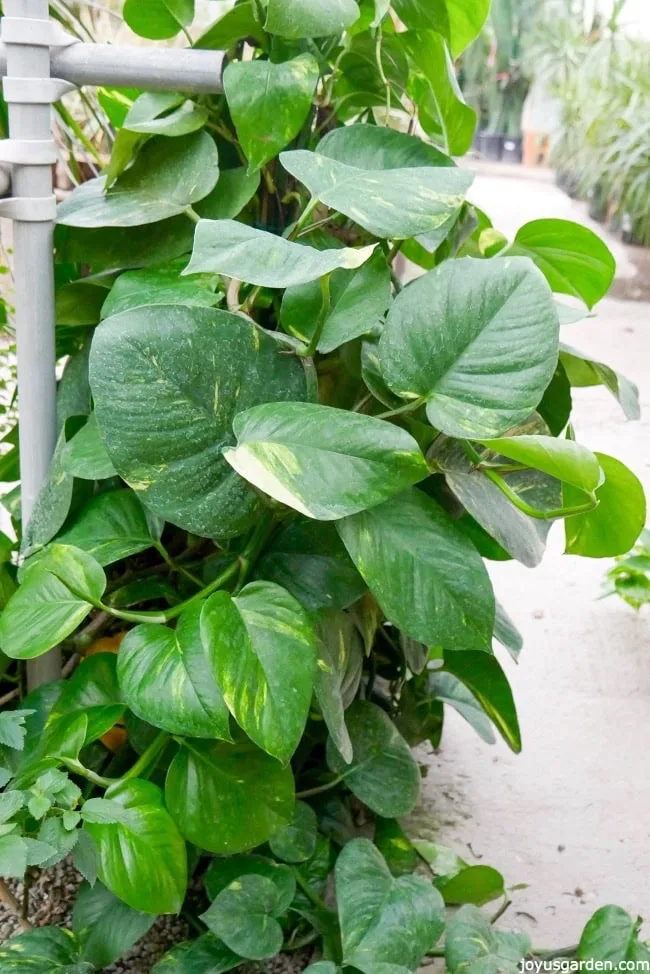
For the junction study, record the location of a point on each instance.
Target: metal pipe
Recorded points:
(34, 294)
(152, 69)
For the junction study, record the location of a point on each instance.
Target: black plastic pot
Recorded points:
(513, 150)
(491, 146)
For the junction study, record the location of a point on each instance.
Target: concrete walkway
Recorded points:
(569, 816)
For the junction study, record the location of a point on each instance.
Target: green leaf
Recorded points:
(236, 188)
(472, 387)
(113, 526)
(207, 955)
(326, 463)
(373, 147)
(257, 257)
(610, 936)
(384, 920)
(458, 21)
(563, 459)
(445, 687)
(507, 633)
(106, 927)
(521, 536)
(166, 389)
(338, 674)
(473, 946)
(583, 371)
(142, 857)
(309, 560)
(383, 773)
(244, 916)
(113, 248)
(79, 303)
(85, 455)
(572, 257)
(47, 950)
(615, 525)
(160, 285)
(426, 575)
(484, 678)
(474, 884)
(73, 392)
(444, 114)
(262, 650)
(272, 98)
(93, 690)
(228, 798)
(395, 203)
(310, 18)
(13, 858)
(166, 177)
(296, 841)
(52, 503)
(158, 19)
(12, 728)
(55, 596)
(237, 24)
(222, 872)
(152, 657)
(164, 113)
(358, 301)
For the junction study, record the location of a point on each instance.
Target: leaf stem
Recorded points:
(96, 779)
(308, 891)
(312, 792)
(175, 567)
(322, 318)
(518, 502)
(252, 551)
(409, 407)
(190, 212)
(147, 760)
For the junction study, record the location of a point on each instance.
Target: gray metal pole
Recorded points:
(154, 69)
(34, 282)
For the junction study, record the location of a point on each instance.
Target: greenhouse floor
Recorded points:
(569, 816)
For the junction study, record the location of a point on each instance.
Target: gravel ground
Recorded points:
(52, 897)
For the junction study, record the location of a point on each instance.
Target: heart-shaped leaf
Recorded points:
(563, 459)
(158, 19)
(166, 177)
(47, 950)
(142, 857)
(572, 257)
(85, 455)
(383, 773)
(244, 916)
(164, 113)
(228, 798)
(444, 114)
(483, 676)
(394, 203)
(160, 285)
(166, 388)
(309, 560)
(106, 927)
(378, 147)
(222, 872)
(296, 842)
(326, 463)
(154, 656)
(472, 945)
(426, 575)
(611, 937)
(237, 24)
(583, 371)
(112, 526)
(94, 691)
(448, 689)
(269, 96)
(358, 300)
(206, 955)
(52, 503)
(615, 525)
(310, 18)
(56, 594)
(247, 254)
(262, 649)
(471, 385)
(384, 920)
(338, 674)
(457, 21)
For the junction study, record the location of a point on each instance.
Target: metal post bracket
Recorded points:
(28, 152)
(34, 32)
(35, 91)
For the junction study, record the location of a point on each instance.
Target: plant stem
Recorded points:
(175, 567)
(312, 792)
(10, 901)
(96, 779)
(322, 318)
(552, 954)
(190, 212)
(307, 890)
(521, 504)
(252, 551)
(409, 407)
(147, 760)
(502, 909)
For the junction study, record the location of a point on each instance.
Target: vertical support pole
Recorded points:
(34, 297)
